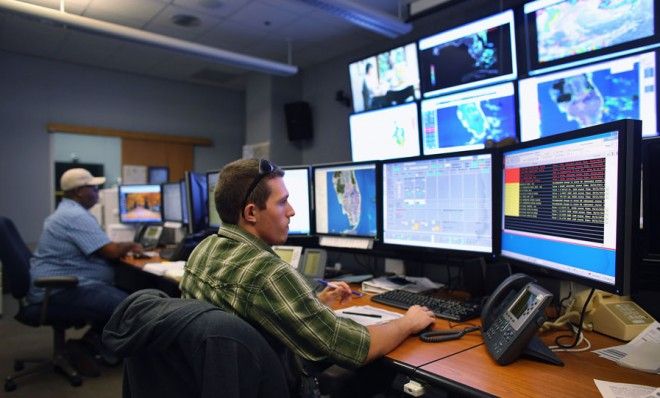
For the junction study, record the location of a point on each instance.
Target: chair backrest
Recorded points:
(15, 257)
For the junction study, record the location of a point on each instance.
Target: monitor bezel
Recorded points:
(136, 222)
(628, 192)
(495, 197)
(378, 186)
(310, 199)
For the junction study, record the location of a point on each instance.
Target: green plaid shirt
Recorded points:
(241, 274)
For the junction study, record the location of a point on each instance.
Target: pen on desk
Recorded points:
(361, 314)
(326, 283)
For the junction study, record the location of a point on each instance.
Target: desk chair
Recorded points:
(15, 257)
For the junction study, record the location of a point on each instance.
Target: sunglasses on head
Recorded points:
(265, 168)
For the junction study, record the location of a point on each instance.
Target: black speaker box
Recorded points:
(298, 120)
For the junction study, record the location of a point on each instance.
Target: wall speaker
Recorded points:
(298, 120)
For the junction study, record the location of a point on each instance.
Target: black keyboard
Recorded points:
(454, 310)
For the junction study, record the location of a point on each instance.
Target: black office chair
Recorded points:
(15, 257)
(189, 348)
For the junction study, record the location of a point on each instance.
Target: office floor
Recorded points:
(18, 340)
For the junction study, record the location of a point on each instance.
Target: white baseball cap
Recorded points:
(74, 178)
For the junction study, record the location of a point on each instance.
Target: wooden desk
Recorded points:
(474, 372)
(130, 277)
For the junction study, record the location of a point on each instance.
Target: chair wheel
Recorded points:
(19, 365)
(10, 385)
(75, 381)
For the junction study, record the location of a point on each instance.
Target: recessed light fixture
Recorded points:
(186, 20)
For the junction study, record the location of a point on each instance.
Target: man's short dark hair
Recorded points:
(233, 184)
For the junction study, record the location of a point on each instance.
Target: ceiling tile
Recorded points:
(263, 17)
(163, 24)
(70, 6)
(216, 8)
(130, 13)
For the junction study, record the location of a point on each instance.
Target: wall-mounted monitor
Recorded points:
(589, 95)
(172, 205)
(139, 203)
(214, 217)
(439, 202)
(475, 54)
(346, 199)
(158, 174)
(570, 204)
(297, 182)
(565, 30)
(385, 79)
(385, 133)
(466, 120)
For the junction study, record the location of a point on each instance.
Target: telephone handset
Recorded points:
(511, 317)
(148, 235)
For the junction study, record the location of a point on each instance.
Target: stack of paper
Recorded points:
(367, 315)
(641, 353)
(165, 268)
(413, 284)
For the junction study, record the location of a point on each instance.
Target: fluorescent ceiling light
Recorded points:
(152, 39)
(362, 16)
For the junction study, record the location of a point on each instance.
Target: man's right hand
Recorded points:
(418, 318)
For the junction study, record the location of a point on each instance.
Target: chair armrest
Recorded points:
(56, 281)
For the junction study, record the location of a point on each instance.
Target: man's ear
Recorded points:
(249, 213)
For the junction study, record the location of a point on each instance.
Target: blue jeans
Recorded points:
(93, 302)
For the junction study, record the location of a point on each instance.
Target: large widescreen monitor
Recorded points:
(172, 204)
(211, 181)
(570, 204)
(297, 182)
(346, 199)
(385, 133)
(567, 30)
(475, 54)
(385, 79)
(589, 95)
(467, 120)
(139, 203)
(439, 202)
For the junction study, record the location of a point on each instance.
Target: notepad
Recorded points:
(371, 315)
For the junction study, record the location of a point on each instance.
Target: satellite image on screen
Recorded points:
(575, 27)
(352, 202)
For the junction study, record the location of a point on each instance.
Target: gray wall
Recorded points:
(36, 92)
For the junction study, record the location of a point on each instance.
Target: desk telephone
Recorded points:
(511, 317)
(148, 235)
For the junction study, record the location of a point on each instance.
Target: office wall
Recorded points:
(37, 91)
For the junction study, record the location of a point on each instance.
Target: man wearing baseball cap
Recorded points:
(73, 243)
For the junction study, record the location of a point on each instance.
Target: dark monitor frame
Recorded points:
(196, 201)
(378, 198)
(310, 198)
(495, 216)
(628, 191)
(651, 197)
(121, 210)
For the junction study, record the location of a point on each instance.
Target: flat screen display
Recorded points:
(385, 133)
(590, 95)
(467, 120)
(471, 55)
(563, 29)
(297, 180)
(172, 204)
(385, 79)
(211, 181)
(345, 198)
(439, 202)
(140, 203)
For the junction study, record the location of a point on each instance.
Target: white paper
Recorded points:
(641, 353)
(416, 285)
(165, 267)
(385, 315)
(623, 390)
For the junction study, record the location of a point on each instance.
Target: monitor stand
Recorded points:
(537, 350)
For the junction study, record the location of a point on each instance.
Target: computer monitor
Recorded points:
(158, 174)
(466, 120)
(346, 199)
(589, 95)
(197, 201)
(439, 202)
(563, 31)
(385, 133)
(139, 203)
(184, 201)
(651, 196)
(297, 181)
(385, 79)
(570, 204)
(211, 181)
(172, 204)
(475, 54)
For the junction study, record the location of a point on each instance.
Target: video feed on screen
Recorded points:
(471, 55)
(467, 120)
(565, 28)
(386, 79)
(385, 134)
(345, 198)
(624, 88)
(140, 203)
(296, 181)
